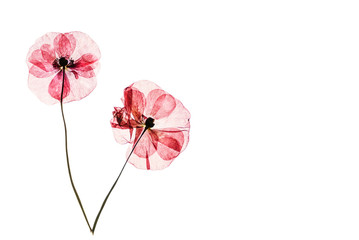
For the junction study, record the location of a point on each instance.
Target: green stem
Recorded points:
(67, 154)
(113, 186)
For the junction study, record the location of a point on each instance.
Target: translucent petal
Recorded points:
(55, 87)
(134, 102)
(159, 104)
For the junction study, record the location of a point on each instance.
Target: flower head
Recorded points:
(69, 59)
(165, 119)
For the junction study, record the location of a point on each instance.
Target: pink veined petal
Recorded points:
(145, 146)
(48, 53)
(85, 60)
(143, 151)
(64, 45)
(40, 46)
(85, 47)
(85, 66)
(169, 143)
(86, 72)
(158, 148)
(145, 86)
(73, 41)
(122, 136)
(40, 73)
(153, 162)
(55, 87)
(134, 102)
(37, 60)
(159, 104)
(179, 118)
(80, 86)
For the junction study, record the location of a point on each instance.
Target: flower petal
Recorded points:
(85, 60)
(179, 119)
(145, 86)
(143, 151)
(86, 72)
(85, 48)
(37, 60)
(153, 162)
(80, 87)
(169, 143)
(157, 149)
(42, 45)
(55, 87)
(48, 53)
(122, 136)
(159, 104)
(64, 44)
(40, 73)
(145, 147)
(134, 102)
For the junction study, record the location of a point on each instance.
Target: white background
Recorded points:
(272, 87)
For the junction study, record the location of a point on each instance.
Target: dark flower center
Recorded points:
(149, 123)
(63, 62)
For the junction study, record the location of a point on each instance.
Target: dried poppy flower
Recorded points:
(63, 65)
(165, 119)
(155, 123)
(62, 68)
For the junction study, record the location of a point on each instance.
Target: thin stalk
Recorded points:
(113, 186)
(67, 154)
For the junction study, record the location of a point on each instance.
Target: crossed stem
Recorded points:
(114, 184)
(92, 230)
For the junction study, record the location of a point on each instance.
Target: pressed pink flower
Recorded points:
(62, 68)
(165, 119)
(63, 64)
(155, 124)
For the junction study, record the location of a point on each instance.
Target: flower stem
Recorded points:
(113, 186)
(67, 154)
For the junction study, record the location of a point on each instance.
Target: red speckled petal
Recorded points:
(134, 102)
(55, 87)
